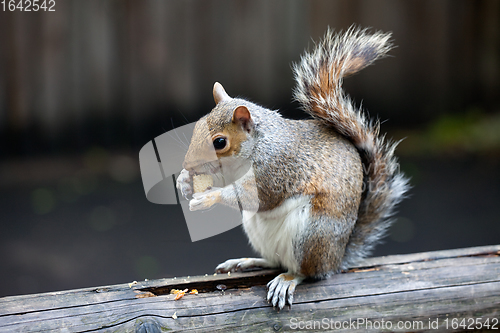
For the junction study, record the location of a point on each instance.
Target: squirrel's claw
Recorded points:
(183, 184)
(231, 265)
(235, 265)
(281, 288)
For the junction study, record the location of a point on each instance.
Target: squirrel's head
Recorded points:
(222, 137)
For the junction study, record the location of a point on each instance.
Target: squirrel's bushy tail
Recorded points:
(319, 89)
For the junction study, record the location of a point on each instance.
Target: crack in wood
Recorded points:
(209, 284)
(441, 284)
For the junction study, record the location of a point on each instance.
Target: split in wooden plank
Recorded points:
(424, 289)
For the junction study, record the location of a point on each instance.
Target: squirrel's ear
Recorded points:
(242, 116)
(219, 93)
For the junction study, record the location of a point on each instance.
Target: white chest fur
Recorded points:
(273, 233)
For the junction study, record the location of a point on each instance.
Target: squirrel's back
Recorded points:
(294, 157)
(319, 90)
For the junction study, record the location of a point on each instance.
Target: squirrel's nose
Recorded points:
(190, 166)
(187, 166)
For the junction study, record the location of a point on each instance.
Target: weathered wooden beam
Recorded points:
(454, 289)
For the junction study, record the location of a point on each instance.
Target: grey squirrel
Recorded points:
(325, 187)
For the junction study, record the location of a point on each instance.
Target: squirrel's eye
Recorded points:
(219, 143)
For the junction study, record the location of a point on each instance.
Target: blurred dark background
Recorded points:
(83, 88)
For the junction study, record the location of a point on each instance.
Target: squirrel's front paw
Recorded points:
(184, 184)
(281, 288)
(205, 200)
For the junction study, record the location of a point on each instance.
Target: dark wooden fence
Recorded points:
(133, 59)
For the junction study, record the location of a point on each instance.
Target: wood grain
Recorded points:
(416, 289)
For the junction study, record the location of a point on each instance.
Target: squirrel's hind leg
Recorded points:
(280, 289)
(233, 265)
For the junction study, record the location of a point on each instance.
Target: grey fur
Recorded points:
(341, 55)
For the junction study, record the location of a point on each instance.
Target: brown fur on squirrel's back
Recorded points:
(319, 89)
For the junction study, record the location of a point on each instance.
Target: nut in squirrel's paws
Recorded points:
(201, 183)
(188, 184)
